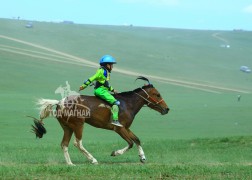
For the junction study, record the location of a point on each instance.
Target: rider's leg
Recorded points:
(104, 94)
(115, 111)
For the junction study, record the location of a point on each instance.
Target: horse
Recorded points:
(73, 111)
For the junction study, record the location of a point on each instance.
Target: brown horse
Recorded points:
(72, 112)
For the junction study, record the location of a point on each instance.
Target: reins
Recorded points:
(149, 97)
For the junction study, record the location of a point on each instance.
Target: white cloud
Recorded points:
(248, 9)
(153, 2)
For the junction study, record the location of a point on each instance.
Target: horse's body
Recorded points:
(72, 112)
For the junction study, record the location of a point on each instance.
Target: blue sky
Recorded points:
(188, 14)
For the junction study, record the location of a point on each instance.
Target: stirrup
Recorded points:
(116, 123)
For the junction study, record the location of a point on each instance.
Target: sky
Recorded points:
(182, 14)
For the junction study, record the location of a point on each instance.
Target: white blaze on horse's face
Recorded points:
(158, 102)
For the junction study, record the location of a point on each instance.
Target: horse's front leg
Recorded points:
(139, 147)
(125, 135)
(141, 154)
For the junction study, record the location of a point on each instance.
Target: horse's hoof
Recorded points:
(143, 160)
(113, 153)
(95, 162)
(71, 164)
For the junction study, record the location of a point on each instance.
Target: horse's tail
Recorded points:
(46, 107)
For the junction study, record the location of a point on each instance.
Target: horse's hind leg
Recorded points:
(78, 144)
(138, 144)
(65, 142)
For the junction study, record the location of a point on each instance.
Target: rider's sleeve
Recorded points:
(93, 78)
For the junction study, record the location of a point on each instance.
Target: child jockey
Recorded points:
(102, 86)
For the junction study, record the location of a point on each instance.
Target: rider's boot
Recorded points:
(116, 123)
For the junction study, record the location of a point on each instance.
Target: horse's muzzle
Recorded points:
(165, 111)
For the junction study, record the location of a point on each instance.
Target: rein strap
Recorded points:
(149, 97)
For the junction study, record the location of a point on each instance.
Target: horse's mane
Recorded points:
(129, 93)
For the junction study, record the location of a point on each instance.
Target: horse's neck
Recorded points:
(135, 103)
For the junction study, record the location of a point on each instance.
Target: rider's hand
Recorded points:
(115, 92)
(81, 88)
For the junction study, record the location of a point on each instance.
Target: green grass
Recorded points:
(190, 159)
(206, 135)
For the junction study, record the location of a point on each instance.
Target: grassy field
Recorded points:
(206, 135)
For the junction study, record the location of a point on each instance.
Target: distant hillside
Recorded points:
(187, 56)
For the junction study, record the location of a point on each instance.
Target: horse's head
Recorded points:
(152, 97)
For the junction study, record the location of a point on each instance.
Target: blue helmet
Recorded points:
(107, 59)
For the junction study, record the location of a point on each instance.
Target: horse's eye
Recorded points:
(158, 95)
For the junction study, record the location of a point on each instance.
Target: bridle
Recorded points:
(148, 98)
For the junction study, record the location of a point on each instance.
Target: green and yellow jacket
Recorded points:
(101, 77)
